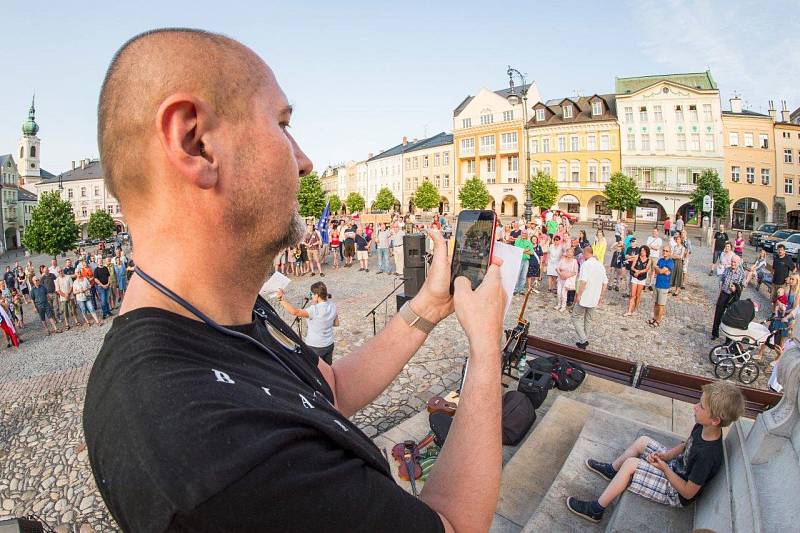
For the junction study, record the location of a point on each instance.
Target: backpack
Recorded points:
(518, 417)
(535, 385)
(566, 376)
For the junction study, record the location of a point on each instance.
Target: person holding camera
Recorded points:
(322, 318)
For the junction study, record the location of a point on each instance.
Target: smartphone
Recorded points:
(474, 245)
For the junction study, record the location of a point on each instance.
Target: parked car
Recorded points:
(792, 245)
(572, 218)
(769, 243)
(762, 231)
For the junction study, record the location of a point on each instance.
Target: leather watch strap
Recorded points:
(414, 320)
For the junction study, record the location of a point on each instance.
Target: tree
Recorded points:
(709, 184)
(336, 203)
(310, 196)
(427, 196)
(354, 202)
(622, 193)
(544, 191)
(101, 225)
(474, 194)
(52, 229)
(385, 200)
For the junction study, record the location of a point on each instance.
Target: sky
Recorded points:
(361, 75)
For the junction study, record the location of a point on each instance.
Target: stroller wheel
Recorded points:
(724, 368)
(748, 373)
(718, 352)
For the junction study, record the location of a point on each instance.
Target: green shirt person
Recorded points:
(552, 226)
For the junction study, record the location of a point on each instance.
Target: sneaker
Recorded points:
(604, 469)
(366, 270)
(322, 274)
(582, 345)
(583, 509)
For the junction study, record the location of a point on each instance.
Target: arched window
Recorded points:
(33, 151)
(21, 152)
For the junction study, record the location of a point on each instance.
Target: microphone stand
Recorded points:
(374, 309)
(297, 319)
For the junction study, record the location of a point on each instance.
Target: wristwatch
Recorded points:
(414, 320)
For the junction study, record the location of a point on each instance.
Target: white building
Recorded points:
(670, 132)
(386, 170)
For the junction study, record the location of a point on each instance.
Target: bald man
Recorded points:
(200, 416)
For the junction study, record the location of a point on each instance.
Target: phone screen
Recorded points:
(474, 242)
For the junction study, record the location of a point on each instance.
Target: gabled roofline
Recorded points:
(670, 82)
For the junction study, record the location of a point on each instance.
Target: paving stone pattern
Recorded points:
(43, 461)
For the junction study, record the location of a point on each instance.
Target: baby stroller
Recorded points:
(743, 340)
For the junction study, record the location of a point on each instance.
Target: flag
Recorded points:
(322, 225)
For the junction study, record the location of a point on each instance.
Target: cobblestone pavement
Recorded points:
(43, 461)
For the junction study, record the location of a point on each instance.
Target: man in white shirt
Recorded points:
(655, 243)
(382, 244)
(592, 282)
(396, 243)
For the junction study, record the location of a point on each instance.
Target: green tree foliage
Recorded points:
(52, 229)
(310, 196)
(622, 193)
(336, 203)
(544, 191)
(354, 202)
(474, 194)
(385, 200)
(709, 183)
(100, 226)
(427, 196)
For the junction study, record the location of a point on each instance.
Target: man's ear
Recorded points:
(185, 124)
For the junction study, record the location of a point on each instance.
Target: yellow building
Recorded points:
(576, 140)
(787, 166)
(488, 142)
(749, 150)
(432, 160)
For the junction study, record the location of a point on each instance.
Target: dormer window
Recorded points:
(597, 108)
(540, 114)
(567, 109)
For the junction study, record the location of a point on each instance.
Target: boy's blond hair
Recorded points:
(724, 400)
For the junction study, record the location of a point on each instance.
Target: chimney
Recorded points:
(772, 110)
(736, 104)
(83, 164)
(414, 140)
(405, 140)
(785, 112)
(73, 165)
(369, 155)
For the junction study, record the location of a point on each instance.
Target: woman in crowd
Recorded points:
(725, 259)
(687, 242)
(738, 244)
(554, 256)
(112, 283)
(600, 246)
(678, 256)
(322, 317)
(639, 269)
(335, 246)
(122, 280)
(583, 242)
(535, 261)
(759, 268)
(567, 275)
(22, 284)
(349, 246)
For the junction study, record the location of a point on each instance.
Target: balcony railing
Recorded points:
(489, 176)
(511, 176)
(467, 151)
(664, 185)
(488, 148)
(510, 147)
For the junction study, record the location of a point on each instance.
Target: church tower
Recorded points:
(28, 151)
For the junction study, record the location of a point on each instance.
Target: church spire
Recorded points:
(29, 127)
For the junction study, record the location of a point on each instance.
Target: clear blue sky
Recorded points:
(363, 74)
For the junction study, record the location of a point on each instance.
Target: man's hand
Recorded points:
(480, 312)
(434, 302)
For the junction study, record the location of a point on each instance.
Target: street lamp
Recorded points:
(514, 99)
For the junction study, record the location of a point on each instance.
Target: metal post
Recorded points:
(524, 100)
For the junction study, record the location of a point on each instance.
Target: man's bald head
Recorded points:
(150, 67)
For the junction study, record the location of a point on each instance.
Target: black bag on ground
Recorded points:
(518, 417)
(535, 385)
(566, 375)
(440, 426)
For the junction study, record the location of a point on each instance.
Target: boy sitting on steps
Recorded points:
(672, 477)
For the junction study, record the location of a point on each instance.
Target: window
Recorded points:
(631, 141)
(22, 151)
(513, 163)
(408, 163)
(487, 119)
(787, 155)
(508, 141)
(733, 139)
(748, 140)
(471, 166)
(682, 142)
(643, 114)
(693, 113)
(597, 108)
(591, 142)
(562, 143)
(110, 209)
(416, 183)
(83, 212)
(534, 168)
(709, 142)
(788, 185)
(83, 192)
(534, 146)
(660, 141)
(416, 163)
(695, 142)
(575, 145)
(707, 112)
(540, 114)
(764, 176)
(562, 171)
(446, 181)
(657, 115)
(424, 161)
(763, 140)
(575, 171)
(546, 145)
(592, 166)
(508, 115)
(751, 175)
(679, 113)
(467, 146)
(645, 141)
(33, 151)
(466, 123)
(546, 168)
(97, 191)
(487, 144)
(437, 159)
(69, 193)
(628, 114)
(446, 159)
(567, 110)
(408, 183)
(604, 142)
(605, 171)
(491, 165)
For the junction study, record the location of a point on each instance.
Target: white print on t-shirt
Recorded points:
(222, 377)
(267, 391)
(340, 425)
(305, 401)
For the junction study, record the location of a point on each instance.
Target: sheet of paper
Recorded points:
(509, 272)
(275, 282)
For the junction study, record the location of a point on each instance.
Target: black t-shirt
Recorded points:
(361, 243)
(516, 233)
(189, 429)
(101, 274)
(49, 282)
(69, 271)
(699, 462)
(641, 265)
(10, 279)
(781, 266)
(720, 238)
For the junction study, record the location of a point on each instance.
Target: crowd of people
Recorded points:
(81, 291)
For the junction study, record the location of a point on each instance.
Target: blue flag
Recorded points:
(322, 225)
